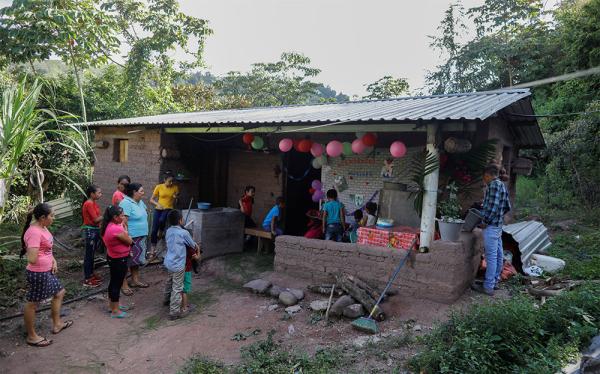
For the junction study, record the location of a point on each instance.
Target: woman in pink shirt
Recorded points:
(41, 274)
(119, 194)
(118, 247)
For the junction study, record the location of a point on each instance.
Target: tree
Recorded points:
(387, 87)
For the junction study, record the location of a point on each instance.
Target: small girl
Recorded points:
(119, 193)
(90, 212)
(371, 219)
(118, 247)
(246, 203)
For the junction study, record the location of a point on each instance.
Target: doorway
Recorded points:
(299, 175)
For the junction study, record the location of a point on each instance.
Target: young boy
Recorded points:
(271, 220)
(371, 219)
(178, 239)
(353, 229)
(333, 217)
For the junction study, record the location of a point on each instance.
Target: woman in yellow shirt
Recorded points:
(163, 198)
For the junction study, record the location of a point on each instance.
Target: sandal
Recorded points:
(122, 314)
(127, 291)
(42, 343)
(139, 285)
(123, 308)
(65, 326)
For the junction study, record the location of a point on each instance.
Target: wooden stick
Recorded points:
(329, 303)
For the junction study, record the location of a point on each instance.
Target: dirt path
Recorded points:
(148, 342)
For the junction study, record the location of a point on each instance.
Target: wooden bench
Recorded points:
(261, 234)
(62, 207)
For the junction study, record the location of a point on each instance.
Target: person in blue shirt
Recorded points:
(178, 240)
(271, 221)
(496, 204)
(333, 217)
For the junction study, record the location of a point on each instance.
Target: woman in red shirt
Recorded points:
(90, 212)
(246, 203)
(119, 194)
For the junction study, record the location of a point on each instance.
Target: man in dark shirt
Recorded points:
(495, 205)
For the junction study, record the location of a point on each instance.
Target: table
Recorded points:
(400, 237)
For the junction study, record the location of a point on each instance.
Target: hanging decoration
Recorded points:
(304, 145)
(360, 134)
(398, 149)
(317, 162)
(257, 143)
(248, 138)
(339, 181)
(358, 146)
(316, 150)
(346, 149)
(387, 171)
(334, 148)
(369, 139)
(317, 190)
(285, 145)
(316, 184)
(296, 143)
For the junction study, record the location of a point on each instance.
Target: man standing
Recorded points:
(495, 205)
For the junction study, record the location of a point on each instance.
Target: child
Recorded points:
(333, 217)
(371, 219)
(271, 220)
(353, 230)
(118, 246)
(191, 263)
(177, 239)
(119, 193)
(90, 212)
(246, 203)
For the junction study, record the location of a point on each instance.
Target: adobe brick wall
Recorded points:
(143, 165)
(442, 275)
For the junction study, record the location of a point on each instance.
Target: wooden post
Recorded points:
(430, 193)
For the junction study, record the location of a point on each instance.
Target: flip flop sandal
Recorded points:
(65, 326)
(122, 314)
(139, 285)
(42, 343)
(127, 292)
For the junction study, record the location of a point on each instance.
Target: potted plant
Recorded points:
(449, 210)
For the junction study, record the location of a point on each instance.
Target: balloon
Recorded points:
(316, 163)
(368, 150)
(360, 134)
(358, 146)
(304, 145)
(285, 144)
(334, 148)
(296, 142)
(369, 139)
(398, 149)
(315, 198)
(316, 184)
(316, 149)
(258, 143)
(247, 138)
(319, 194)
(311, 190)
(347, 149)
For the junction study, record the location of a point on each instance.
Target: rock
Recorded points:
(296, 292)
(417, 328)
(291, 329)
(361, 341)
(272, 307)
(319, 305)
(258, 285)
(287, 298)
(293, 309)
(354, 311)
(338, 307)
(275, 291)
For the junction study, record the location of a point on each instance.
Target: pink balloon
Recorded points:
(398, 149)
(358, 146)
(315, 198)
(285, 145)
(316, 150)
(318, 195)
(334, 148)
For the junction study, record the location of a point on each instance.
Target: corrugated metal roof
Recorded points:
(532, 237)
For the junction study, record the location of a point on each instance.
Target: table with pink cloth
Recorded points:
(400, 237)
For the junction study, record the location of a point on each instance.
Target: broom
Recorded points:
(368, 324)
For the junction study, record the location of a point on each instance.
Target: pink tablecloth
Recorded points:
(396, 237)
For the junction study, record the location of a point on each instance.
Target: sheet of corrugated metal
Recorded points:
(532, 237)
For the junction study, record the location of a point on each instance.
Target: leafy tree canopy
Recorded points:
(387, 87)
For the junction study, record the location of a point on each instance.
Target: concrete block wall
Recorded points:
(442, 275)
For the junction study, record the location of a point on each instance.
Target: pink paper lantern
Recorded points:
(358, 146)
(398, 149)
(316, 150)
(285, 145)
(334, 148)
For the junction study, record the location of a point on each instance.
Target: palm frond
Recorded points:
(421, 165)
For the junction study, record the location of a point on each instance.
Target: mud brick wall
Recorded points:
(442, 275)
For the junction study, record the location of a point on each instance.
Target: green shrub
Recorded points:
(581, 253)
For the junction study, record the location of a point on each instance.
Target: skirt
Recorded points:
(138, 251)
(41, 285)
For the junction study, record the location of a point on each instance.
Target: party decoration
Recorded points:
(369, 139)
(387, 171)
(346, 149)
(360, 134)
(368, 150)
(398, 149)
(296, 143)
(316, 184)
(304, 145)
(318, 195)
(311, 190)
(334, 148)
(358, 146)
(248, 138)
(316, 163)
(316, 149)
(285, 145)
(340, 183)
(258, 142)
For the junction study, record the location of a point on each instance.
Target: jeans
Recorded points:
(173, 290)
(278, 231)
(492, 241)
(159, 221)
(118, 271)
(334, 231)
(92, 242)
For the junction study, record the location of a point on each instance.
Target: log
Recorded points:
(324, 289)
(346, 282)
(362, 284)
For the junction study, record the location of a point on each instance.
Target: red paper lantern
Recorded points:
(304, 145)
(248, 138)
(369, 139)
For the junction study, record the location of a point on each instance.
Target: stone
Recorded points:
(287, 298)
(296, 292)
(293, 309)
(258, 286)
(338, 307)
(291, 329)
(354, 311)
(275, 291)
(272, 307)
(363, 340)
(417, 328)
(319, 305)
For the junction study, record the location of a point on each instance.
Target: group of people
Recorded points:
(123, 230)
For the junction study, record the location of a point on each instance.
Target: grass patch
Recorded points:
(152, 322)
(581, 252)
(201, 299)
(203, 365)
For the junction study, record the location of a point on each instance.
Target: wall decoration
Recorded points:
(248, 138)
(398, 149)
(369, 139)
(346, 149)
(285, 145)
(334, 148)
(387, 171)
(304, 145)
(358, 199)
(358, 146)
(317, 162)
(258, 142)
(340, 183)
(316, 150)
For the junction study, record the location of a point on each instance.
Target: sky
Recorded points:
(353, 42)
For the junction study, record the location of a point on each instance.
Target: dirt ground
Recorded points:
(148, 342)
